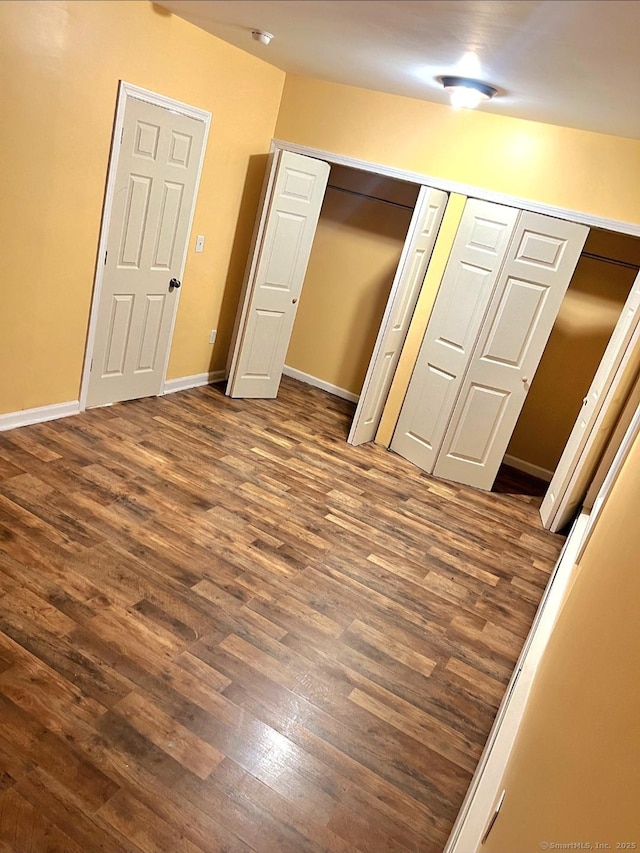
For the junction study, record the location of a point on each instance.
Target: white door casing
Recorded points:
(416, 253)
(153, 181)
(461, 304)
(537, 270)
(601, 407)
(278, 275)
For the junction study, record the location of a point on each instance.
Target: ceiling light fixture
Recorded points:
(262, 36)
(466, 92)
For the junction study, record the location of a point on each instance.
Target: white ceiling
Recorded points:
(568, 62)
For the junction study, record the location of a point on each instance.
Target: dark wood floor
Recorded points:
(224, 629)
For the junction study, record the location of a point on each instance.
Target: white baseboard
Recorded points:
(38, 415)
(184, 382)
(320, 383)
(529, 468)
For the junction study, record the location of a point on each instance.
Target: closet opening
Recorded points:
(361, 232)
(319, 228)
(590, 310)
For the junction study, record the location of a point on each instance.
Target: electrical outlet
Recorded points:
(212, 336)
(200, 243)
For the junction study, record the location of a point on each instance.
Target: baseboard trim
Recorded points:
(195, 381)
(13, 420)
(320, 383)
(529, 468)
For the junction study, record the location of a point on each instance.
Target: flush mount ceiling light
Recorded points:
(466, 92)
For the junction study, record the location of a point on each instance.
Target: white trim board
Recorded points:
(320, 383)
(464, 189)
(184, 382)
(485, 786)
(39, 415)
(528, 468)
(127, 91)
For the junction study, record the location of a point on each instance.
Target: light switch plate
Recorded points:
(200, 243)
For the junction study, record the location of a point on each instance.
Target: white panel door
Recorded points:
(538, 268)
(155, 187)
(412, 268)
(464, 294)
(271, 298)
(602, 405)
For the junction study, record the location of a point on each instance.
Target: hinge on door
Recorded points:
(105, 256)
(91, 366)
(121, 135)
(494, 817)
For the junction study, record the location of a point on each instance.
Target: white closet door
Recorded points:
(412, 268)
(601, 407)
(538, 268)
(465, 291)
(272, 295)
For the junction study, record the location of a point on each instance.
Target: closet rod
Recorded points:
(372, 197)
(610, 261)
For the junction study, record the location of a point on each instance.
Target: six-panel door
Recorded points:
(466, 289)
(537, 270)
(155, 187)
(271, 298)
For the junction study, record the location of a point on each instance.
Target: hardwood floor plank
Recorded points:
(222, 628)
(134, 821)
(23, 828)
(172, 737)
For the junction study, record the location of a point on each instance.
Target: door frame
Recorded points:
(455, 187)
(127, 92)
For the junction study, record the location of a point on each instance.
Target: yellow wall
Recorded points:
(58, 84)
(589, 172)
(62, 60)
(574, 775)
(587, 316)
(351, 268)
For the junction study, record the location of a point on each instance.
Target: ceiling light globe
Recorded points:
(461, 97)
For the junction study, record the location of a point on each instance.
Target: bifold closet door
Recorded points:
(537, 270)
(601, 407)
(277, 275)
(461, 304)
(421, 238)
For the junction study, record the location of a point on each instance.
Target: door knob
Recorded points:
(174, 283)
(293, 301)
(525, 380)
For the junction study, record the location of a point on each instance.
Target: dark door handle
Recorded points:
(174, 283)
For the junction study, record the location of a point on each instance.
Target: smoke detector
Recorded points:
(261, 36)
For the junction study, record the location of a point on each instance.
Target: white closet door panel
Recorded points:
(416, 254)
(467, 285)
(538, 268)
(263, 338)
(601, 408)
